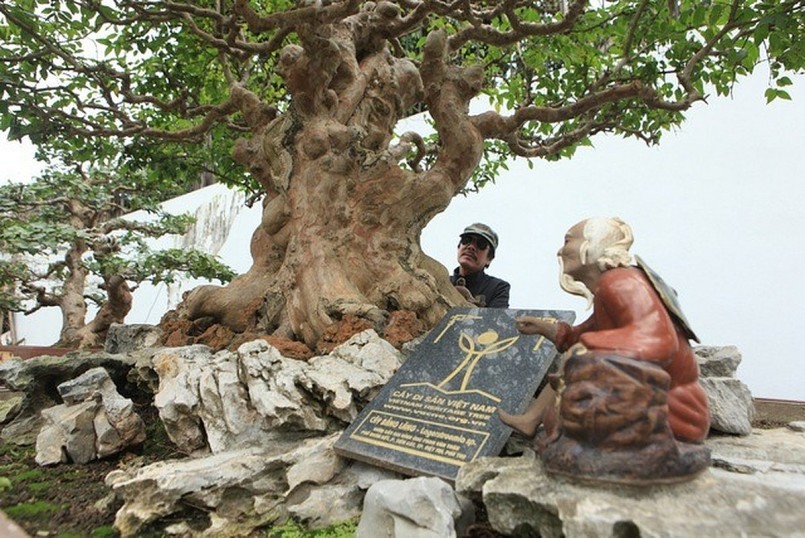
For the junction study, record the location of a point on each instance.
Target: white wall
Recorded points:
(224, 226)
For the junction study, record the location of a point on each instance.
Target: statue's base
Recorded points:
(611, 424)
(662, 463)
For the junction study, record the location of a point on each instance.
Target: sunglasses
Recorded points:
(480, 242)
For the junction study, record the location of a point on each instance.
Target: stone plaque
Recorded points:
(439, 411)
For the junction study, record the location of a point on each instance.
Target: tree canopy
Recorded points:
(193, 76)
(298, 101)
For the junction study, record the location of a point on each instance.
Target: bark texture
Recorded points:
(341, 219)
(76, 332)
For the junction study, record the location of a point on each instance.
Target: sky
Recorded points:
(716, 210)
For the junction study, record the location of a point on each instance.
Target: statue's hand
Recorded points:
(544, 326)
(527, 324)
(535, 325)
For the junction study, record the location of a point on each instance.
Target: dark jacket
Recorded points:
(492, 292)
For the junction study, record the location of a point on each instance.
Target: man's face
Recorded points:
(474, 253)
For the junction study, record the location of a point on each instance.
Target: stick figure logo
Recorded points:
(483, 345)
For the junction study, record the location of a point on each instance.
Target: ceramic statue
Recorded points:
(626, 405)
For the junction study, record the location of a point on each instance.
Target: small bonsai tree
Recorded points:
(65, 242)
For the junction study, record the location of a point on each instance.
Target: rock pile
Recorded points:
(94, 422)
(756, 487)
(731, 406)
(259, 428)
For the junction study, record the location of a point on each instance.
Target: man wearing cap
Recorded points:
(476, 250)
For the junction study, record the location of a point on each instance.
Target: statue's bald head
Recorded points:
(591, 247)
(607, 241)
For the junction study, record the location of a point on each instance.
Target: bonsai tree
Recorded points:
(64, 242)
(298, 102)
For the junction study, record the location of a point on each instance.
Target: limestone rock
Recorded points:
(766, 501)
(142, 374)
(423, 507)
(277, 387)
(731, 406)
(44, 373)
(773, 454)
(328, 504)
(164, 487)
(68, 434)
(797, 425)
(243, 489)
(315, 463)
(261, 428)
(16, 373)
(177, 398)
(717, 361)
(123, 338)
(22, 430)
(38, 378)
(94, 422)
(10, 406)
(369, 352)
(227, 400)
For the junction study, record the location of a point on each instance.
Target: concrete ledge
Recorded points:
(26, 352)
(769, 409)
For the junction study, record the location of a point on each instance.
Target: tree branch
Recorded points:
(487, 34)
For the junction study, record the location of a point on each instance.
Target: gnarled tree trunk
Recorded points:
(76, 332)
(114, 310)
(341, 219)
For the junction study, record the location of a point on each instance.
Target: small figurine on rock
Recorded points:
(626, 405)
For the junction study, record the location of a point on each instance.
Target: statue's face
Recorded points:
(471, 256)
(570, 265)
(570, 253)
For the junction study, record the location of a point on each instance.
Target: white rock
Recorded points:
(423, 507)
(764, 500)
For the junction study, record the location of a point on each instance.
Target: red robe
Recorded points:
(630, 319)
